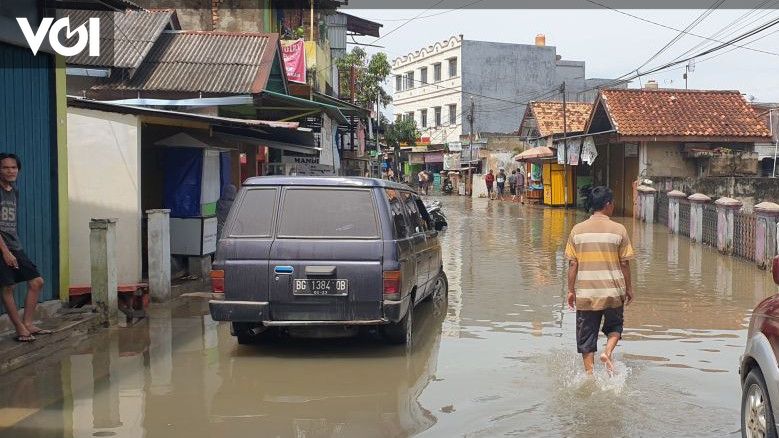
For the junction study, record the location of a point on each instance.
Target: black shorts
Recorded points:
(513, 190)
(588, 322)
(501, 188)
(27, 270)
(489, 188)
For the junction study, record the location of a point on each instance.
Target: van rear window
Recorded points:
(255, 215)
(328, 213)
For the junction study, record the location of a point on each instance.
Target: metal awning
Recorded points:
(275, 103)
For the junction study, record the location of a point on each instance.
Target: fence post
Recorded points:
(696, 216)
(765, 233)
(159, 253)
(646, 203)
(674, 196)
(102, 254)
(726, 207)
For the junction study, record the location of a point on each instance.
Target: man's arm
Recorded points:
(8, 257)
(624, 266)
(573, 271)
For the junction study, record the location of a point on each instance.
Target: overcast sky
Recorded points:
(610, 43)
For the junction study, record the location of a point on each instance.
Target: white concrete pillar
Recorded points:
(158, 231)
(697, 201)
(674, 197)
(726, 208)
(646, 203)
(765, 233)
(102, 252)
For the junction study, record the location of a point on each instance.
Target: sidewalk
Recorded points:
(69, 327)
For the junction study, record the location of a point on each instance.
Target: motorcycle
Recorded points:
(447, 187)
(436, 214)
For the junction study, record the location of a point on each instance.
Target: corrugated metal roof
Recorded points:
(125, 37)
(208, 62)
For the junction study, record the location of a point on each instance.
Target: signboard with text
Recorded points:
(294, 53)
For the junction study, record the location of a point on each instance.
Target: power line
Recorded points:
(437, 13)
(407, 22)
(673, 28)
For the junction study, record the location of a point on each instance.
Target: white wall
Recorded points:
(438, 94)
(104, 180)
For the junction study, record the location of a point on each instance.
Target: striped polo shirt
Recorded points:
(599, 245)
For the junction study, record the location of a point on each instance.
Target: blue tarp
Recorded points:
(183, 174)
(225, 178)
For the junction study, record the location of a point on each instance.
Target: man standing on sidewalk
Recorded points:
(599, 286)
(489, 180)
(16, 266)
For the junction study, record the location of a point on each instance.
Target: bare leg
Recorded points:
(13, 313)
(605, 357)
(589, 362)
(34, 288)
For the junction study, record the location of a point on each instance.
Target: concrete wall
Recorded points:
(516, 73)
(750, 191)
(104, 181)
(664, 159)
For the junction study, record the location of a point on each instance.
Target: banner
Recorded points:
(294, 53)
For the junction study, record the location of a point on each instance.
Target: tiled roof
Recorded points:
(208, 62)
(126, 37)
(549, 116)
(681, 113)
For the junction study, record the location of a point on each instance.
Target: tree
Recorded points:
(368, 77)
(402, 131)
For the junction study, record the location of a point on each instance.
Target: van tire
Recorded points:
(401, 332)
(439, 297)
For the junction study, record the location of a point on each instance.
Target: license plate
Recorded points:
(320, 287)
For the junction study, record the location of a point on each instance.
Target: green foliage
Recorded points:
(368, 77)
(402, 131)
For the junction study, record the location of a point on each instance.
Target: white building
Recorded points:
(437, 85)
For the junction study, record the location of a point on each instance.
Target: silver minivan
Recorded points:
(325, 256)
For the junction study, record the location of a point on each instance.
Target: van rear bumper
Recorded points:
(259, 311)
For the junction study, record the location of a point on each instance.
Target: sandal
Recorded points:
(42, 332)
(24, 338)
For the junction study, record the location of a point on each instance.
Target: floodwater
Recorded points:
(500, 362)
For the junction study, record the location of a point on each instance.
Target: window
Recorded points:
(423, 75)
(437, 72)
(437, 116)
(398, 117)
(452, 67)
(418, 224)
(409, 80)
(328, 213)
(255, 214)
(398, 83)
(423, 118)
(453, 114)
(398, 216)
(409, 116)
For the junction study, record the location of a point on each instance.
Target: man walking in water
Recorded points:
(599, 286)
(16, 266)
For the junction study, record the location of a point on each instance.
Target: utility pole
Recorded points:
(468, 181)
(565, 146)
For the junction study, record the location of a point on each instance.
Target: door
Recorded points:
(326, 259)
(631, 175)
(245, 247)
(433, 245)
(418, 228)
(617, 177)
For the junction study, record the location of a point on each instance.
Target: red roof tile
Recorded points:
(549, 116)
(681, 113)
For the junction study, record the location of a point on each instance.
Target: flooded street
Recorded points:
(502, 361)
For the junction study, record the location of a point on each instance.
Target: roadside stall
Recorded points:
(549, 186)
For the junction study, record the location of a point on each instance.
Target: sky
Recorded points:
(611, 44)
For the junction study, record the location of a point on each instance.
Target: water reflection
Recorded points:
(501, 361)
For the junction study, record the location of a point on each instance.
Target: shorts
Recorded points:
(513, 190)
(27, 270)
(489, 188)
(501, 188)
(588, 322)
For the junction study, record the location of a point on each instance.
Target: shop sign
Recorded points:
(294, 54)
(454, 146)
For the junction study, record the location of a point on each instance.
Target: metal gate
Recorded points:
(28, 129)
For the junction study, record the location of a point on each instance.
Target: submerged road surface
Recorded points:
(501, 361)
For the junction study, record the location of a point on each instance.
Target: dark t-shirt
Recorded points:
(8, 218)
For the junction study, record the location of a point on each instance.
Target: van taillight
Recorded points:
(218, 281)
(392, 285)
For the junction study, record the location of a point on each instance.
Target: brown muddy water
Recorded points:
(501, 362)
